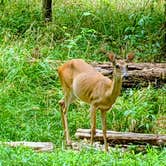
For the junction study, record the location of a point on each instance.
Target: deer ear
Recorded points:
(130, 56)
(111, 56)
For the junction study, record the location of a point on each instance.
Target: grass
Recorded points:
(22, 156)
(30, 88)
(81, 29)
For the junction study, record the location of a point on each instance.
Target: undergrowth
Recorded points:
(81, 28)
(30, 88)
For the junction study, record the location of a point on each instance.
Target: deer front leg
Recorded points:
(64, 121)
(104, 128)
(93, 123)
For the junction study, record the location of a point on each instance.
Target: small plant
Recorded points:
(139, 112)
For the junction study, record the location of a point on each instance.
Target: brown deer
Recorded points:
(80, 80)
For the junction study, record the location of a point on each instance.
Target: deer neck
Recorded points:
(116, 85)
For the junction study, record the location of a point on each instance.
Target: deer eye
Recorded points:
(117, 66)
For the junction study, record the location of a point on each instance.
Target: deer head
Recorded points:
(120, 66)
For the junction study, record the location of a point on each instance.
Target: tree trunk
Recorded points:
(47, 10)
(114, 137)
(140, 74)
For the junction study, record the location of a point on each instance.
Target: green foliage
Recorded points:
(30, 88)
(23, 156)
(138, 110)
(85, 26)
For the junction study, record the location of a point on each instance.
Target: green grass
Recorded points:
(30, 88)
(80, 28)
(22, 156)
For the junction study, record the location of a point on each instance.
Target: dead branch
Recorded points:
(37, 146)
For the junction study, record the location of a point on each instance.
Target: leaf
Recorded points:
(141, 22)
(128, 112)
(86, 14)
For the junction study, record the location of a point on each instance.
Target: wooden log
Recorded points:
(140, 74)
(114, 137)
(37, 146)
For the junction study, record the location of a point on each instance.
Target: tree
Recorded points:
(47, 10)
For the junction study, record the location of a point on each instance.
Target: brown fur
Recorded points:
(81, 80)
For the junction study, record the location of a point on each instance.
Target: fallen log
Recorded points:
(37, 146)
(140, 74)
(114, 137)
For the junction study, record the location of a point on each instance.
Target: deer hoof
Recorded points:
(69, 143)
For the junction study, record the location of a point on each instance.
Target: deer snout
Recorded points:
(124, 73)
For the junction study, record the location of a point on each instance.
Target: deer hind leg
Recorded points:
(93, 123)
(104, 128)
(64, 104)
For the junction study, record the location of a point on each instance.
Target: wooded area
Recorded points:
(37, 37)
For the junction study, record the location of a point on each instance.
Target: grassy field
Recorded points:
(30, 88)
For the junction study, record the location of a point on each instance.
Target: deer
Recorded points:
(79, 80)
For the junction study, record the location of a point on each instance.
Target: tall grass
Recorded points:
(30, 88)
(88, 25)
